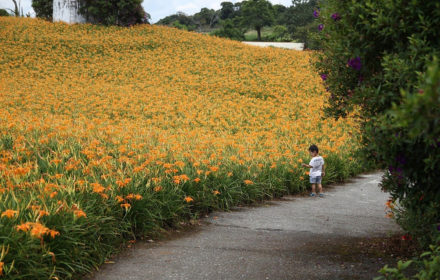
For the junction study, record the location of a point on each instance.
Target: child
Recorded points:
(317, 169)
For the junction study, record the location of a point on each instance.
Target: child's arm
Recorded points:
(323, 170)
(306, 165)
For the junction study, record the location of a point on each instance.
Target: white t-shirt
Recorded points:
(317, 163)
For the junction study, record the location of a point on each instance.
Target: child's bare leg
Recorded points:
(313, 188)
(320, 188)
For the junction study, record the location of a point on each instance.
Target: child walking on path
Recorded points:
(317, 169)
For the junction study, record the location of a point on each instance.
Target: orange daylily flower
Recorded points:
(9, 213)
(23, 227)
(126, 206)
(80, 213)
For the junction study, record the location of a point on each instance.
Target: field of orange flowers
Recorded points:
(110, 134)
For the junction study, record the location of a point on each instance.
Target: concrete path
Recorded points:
(296, 237)
(285, 45)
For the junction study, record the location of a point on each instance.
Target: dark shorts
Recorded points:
(315, 179)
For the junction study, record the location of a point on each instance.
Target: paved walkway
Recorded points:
(296, 237)
(285, 45)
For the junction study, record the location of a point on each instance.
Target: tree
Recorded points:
(257, 14)
(114, 12)
(181, 17)
(237, 13)
(226, 10)
(298, 15)
(379, 62)
(207, 17)
(229, 30)
(4, 13)
(43, 8)
(279, 10)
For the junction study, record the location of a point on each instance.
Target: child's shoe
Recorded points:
(313, 194)
(321, 195)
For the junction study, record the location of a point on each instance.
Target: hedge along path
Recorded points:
(109, 133)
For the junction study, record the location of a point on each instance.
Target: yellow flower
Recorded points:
(188, 199)
(248, 182)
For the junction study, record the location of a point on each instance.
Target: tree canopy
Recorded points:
(43, 8)
(298, 19)
(4, 13)
(257, 14)
(114, 12)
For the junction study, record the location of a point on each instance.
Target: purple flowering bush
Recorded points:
(380, 60)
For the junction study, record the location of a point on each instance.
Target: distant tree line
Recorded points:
(232, 20)
(106, 12)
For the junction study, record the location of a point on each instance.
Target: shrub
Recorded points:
(180, 26)
(429, 264)
(374, 63)
(114, 12)
(279, 34)
(229, 30)
(302, 34)
(4, 13)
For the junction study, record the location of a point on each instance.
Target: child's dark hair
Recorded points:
(314, 148)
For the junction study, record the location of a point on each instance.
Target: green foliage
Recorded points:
(207, 17)
(279, 34)
(181, 17)
(114, 12)
(7, 142)
(256, 14)
(180, 26)
(302, 34)
(416, 122)
(227, 10)
(230, 10)
(298, 15)
(279, 11)
(43, 9)
(428, 263)
(379, 63)
(84, 243)
(229, 30)
(4, 13)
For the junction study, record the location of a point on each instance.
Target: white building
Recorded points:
(67, 11)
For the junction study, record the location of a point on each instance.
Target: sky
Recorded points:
(158, 9)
